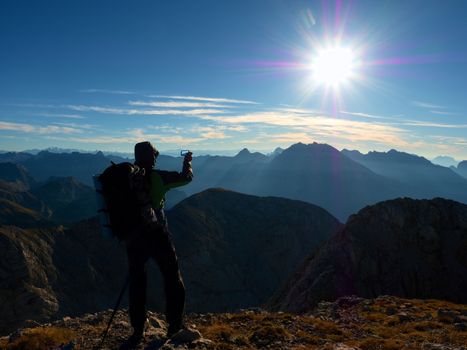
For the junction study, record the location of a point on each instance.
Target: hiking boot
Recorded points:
(173, 330)
(133, 341)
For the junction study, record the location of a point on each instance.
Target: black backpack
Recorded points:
(126, 197)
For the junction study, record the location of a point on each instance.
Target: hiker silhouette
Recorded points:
(155, 241)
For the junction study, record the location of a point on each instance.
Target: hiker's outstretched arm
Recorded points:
(172, 179)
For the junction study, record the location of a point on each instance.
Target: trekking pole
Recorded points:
(117, 304)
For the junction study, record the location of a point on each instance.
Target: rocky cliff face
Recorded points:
(51, 272)
(27, 274)
(403, 247)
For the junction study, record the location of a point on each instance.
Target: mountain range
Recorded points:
(341, 182)
(235, 251)
(418, 173)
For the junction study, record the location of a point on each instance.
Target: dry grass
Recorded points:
(40, 339)
(385, 324)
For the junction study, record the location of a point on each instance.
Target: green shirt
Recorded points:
(162, 181)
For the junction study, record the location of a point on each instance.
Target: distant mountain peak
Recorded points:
(243, 152)
(446, 161)
(311, 147)
(278, 150)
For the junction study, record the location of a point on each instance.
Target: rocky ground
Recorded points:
(387, 323)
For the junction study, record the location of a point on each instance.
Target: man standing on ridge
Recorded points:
(156, 243)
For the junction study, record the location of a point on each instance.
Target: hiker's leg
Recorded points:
(167, 261)
(138, 283)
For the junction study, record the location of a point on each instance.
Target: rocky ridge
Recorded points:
(403, 247)
(349, 323)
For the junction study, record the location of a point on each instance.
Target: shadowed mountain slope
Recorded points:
(238, 173)
(235, 251)
(18, 206)
(320, 174)
(15, 157)
(69, 200)
(59, 201)
(462, 168)
(12, 213)
(404, 247)
(17, 174)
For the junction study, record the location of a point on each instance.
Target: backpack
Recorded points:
(127, 202)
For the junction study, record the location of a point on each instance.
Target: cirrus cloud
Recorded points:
(36, 129)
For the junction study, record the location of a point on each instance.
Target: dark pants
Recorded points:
(156, 244)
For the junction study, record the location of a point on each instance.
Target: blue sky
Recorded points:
(223, 75)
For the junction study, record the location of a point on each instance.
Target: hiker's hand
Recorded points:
(188, 157)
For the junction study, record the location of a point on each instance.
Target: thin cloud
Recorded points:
(34, 129)
(165, 128)
(442, 113)
(174, 138)
(297, 110)
(450, 140)
(140, 135)
(210, 99)
(291, 137)
(100, 139)
(77, 126)
(177, 104)
(106, 91)
(365, 115)
(237, 128)
(31, 105)
(126, 111)
(427, 105)
(67, 116)
(322, 125)
(433, 125)
(211, 132)
(409, 122)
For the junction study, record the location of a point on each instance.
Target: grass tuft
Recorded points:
(40, 339)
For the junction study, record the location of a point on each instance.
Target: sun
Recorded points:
(334, 66)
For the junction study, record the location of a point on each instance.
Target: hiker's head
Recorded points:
(145, 154)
